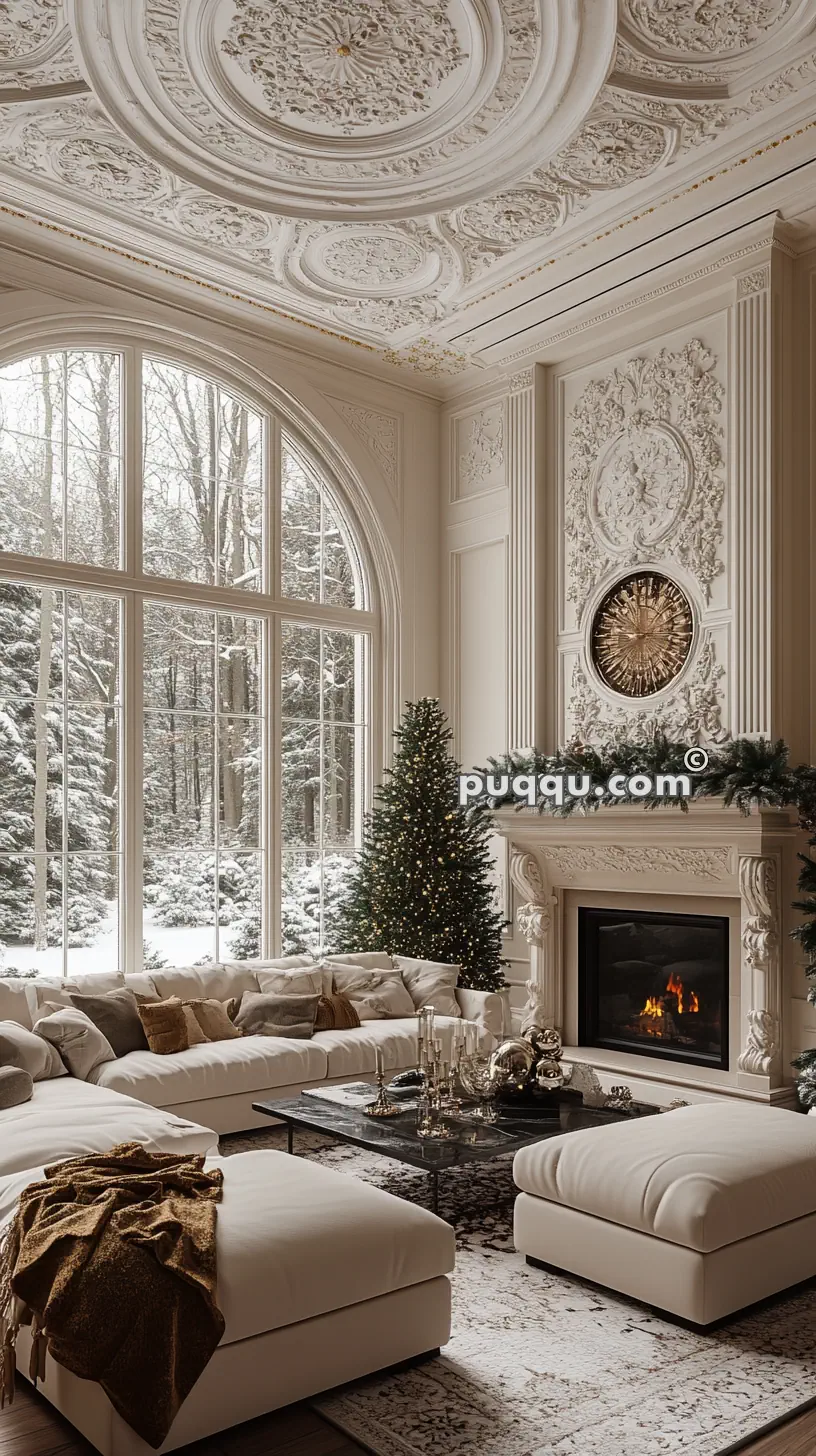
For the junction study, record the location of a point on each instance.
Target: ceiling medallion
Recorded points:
(357, 110)
(641, 634)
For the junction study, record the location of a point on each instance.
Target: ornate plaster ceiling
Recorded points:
(373, 167)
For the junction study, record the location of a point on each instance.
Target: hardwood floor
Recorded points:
(31, 1428)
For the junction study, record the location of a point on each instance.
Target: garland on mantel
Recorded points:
(744, 772)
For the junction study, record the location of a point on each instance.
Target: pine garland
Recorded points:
(421, 885)
(745, 772)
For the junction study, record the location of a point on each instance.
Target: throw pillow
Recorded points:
(311, 981)
(28, 1052)
(81, 1045)
(375, 995)
(16, 1086)
(165, 1025)
(370, 960)
(263, 1014)
(117, 1016)
(430, 983)
(214, 1020)
(336, 1013)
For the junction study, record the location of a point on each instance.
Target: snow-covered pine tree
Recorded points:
(422, 885)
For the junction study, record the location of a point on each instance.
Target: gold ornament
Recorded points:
(642, 634)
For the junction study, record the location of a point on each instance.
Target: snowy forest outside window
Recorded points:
(183, 747)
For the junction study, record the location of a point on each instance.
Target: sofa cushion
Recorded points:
(80, 1044)
(370, 960)
(213, 1018)
(18, 1000)
(296, 1240)
(702, 1176)
(374, 994)
(166, 1026)
(24, 1049)
(335, 1013)
(193, 983)
(263, 1014)
(67, 1118)
(249, 1064)
(430, 983)
(352, 1053)
(291, 981)
(282, 963)
(58, 991)
(116, 1014)
(16, 1087)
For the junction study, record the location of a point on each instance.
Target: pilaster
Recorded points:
(524, 606)
(753, 520)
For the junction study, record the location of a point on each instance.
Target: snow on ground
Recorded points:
(180, 945)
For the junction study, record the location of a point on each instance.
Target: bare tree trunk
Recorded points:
(43, 681)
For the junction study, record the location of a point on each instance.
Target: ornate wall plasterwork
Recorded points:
(363, 166)
(480, 452)
(380, 433)
(646, 470)
(690, 712)
(575, 859)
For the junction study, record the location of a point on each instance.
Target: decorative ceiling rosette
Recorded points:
(35, 46)
(361, 110)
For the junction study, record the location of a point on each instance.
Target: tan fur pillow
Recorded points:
(213, 1019)
(336, 1013)
(165, 1025)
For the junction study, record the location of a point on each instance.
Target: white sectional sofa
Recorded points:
(216, 1084)
(322, 1278)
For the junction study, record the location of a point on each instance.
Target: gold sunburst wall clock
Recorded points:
(641, 634)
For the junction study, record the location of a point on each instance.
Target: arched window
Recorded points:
(185, 630)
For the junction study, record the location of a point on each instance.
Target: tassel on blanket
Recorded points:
(8, 1368)
(39, 1350)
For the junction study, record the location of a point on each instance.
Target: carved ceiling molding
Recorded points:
(375, 110)
(380, 433)
(362, 167)
(646, 475)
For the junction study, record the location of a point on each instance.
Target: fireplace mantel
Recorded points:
(712, 851)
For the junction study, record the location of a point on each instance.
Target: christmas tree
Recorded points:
(806, 935)
(422, 884)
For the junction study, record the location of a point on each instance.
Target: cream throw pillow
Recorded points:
(29, 1052)
(305, 981)
(81, 1045)
(375, 995)
(430, 983)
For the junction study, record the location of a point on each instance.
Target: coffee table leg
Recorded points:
(290, 1137)
(434, 1192)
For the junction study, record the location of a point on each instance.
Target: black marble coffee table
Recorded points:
(397, 1137)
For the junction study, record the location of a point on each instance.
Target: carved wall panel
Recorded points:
(642, 482)
(479, 451)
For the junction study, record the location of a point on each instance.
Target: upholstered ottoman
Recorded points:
(701, 1211)
(321, 1279)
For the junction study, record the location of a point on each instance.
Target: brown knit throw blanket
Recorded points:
(112, 1260)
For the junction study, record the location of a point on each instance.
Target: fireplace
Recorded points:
(654, 983)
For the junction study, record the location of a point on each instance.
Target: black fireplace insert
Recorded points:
(654, 983)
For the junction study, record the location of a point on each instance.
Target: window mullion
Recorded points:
(131, 931)
(271, 795)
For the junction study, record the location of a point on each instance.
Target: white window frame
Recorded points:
(133, 587)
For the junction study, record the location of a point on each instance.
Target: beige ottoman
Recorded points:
(321, 1279)
(701, 1211)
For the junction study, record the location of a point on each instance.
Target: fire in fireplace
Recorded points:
(654, 983)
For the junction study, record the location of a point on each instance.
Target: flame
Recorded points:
(654, 1004)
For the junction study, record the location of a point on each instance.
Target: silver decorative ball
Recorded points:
(545, 1041)
(549, 1075)
(511, 1064)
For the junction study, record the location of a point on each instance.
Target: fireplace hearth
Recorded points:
(654, 983)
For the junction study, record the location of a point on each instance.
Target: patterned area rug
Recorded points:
(544, 1365)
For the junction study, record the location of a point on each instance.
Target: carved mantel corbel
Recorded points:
(761, 967)
(536, 920)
